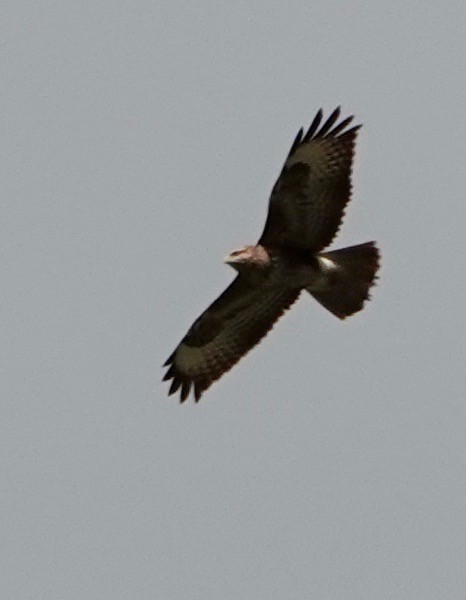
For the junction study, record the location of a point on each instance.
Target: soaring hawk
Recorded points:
(306, 208)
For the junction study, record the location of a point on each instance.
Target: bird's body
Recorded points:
(275, 266)
(306, 208)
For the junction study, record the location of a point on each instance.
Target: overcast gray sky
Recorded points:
(139, 144)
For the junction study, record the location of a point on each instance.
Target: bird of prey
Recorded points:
(306, 208)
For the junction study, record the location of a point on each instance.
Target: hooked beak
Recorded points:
(232, 258)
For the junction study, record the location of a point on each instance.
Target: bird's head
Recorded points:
(248, 257)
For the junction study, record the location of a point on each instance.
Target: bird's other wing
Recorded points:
(308, 200)
(239, 318)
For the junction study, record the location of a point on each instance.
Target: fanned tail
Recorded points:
(348, 277)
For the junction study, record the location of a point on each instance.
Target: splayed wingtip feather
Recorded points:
(329, 122)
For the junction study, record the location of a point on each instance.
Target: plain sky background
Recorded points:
(139, 144)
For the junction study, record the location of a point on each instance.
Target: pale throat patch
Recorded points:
(261, 255)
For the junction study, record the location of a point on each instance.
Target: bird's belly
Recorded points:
(300, 276)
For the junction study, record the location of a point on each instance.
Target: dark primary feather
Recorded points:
(329, 122)
(336, 130)
(314, 125)
(308, 200)
(232, 325)
(296, 141)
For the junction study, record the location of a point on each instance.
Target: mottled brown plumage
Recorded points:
(309, 198)
(305, 211)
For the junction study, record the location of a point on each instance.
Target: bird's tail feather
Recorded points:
(346, 287)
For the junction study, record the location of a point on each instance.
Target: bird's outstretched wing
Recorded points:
(239, 318)
(308, 200)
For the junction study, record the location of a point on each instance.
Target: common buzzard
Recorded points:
(306, 208)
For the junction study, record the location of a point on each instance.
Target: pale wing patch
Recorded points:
(307, 154)
(320, 155)
(192, 361)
